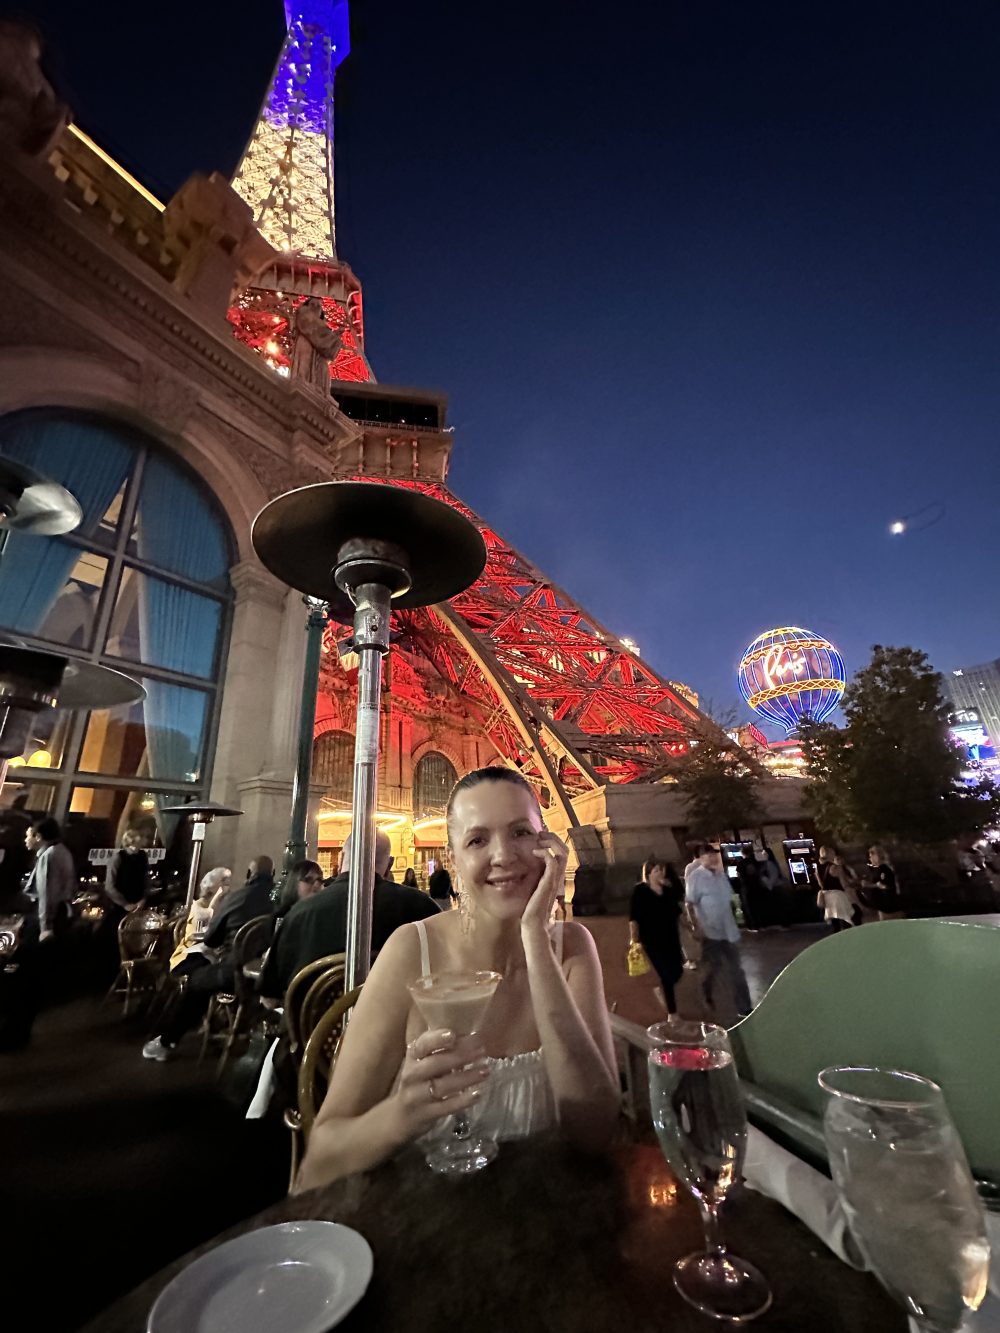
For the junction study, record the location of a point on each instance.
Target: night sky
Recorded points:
(714, 287)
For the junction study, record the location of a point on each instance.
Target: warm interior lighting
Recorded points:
(427, 821)
(388, 819)
(19, 762)
(40, 759)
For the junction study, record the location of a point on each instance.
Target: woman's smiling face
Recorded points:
(493, 833)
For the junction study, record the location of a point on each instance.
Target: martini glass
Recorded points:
(457, 1001)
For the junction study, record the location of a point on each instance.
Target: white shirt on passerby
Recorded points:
(710, 894)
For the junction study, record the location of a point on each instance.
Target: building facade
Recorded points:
(976, 690)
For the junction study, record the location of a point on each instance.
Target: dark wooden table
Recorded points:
(548, 1241)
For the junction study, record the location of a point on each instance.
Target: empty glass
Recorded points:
(701, 1122)
(905, 1185)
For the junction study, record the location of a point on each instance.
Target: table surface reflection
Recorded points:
(548, 1239)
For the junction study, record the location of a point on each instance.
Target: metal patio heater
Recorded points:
(32, 503)
(31, 680)
(200, 814)
(363, 547)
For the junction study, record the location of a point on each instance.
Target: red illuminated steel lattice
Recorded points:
(554, 691)
(262, 320)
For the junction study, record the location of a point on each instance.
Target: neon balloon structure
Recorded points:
(791, 673)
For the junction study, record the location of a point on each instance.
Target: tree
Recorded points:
(892, 773)
(718, 785)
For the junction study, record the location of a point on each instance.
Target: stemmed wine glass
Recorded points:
(701, 1122)
(907, 1191)
(458, 1001)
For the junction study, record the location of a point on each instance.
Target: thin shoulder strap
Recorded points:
(425, 953)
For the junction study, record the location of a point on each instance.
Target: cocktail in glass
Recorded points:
(701, 1123)
(457, 1001)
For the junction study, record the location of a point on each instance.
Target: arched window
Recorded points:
(142, 585)
(333, 764)
(433, 778)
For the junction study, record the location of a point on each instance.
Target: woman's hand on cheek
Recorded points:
(553, 853)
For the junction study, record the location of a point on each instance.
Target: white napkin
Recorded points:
(804, 1191)
(257, 1109)
(807, 1193)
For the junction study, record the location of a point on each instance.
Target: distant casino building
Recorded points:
(976, 690)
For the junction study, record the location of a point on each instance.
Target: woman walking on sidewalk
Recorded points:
(831, 879)
(654, 916)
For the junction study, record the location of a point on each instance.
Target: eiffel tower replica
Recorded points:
(560, 696)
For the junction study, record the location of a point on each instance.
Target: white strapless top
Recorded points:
(516, 1100)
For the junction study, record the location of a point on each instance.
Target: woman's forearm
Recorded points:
(584, 1088)
(633, 932)
(341, 1145)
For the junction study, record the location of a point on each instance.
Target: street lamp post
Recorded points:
(297, 845)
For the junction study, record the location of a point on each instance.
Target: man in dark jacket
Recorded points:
(317, 926)
(241, 906)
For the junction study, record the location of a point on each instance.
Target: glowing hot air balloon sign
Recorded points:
(790, 673)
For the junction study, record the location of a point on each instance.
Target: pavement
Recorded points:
(764, 954)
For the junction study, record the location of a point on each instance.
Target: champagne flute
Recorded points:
(457, 1001)
(907, 1191)
(701, 1122)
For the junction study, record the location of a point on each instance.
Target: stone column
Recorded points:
(253, 695)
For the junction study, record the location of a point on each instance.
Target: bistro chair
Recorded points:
(327, 988)
(310, 993)
(227, 1010)
(143, 940)
(297, 990)
(319, 1057)
(914, 995)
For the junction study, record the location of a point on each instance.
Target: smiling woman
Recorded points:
(543, 1056)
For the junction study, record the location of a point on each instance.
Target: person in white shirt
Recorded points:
(709, 895)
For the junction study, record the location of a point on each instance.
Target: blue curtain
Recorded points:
(175, 725)
(177, 530)
(92, 462)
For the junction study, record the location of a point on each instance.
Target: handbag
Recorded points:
(636, 961)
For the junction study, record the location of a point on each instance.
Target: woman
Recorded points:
(654, 917)
(880, 879)
(545, 1045)
(304, 880)
(831, 877)
(410, 878)
(191, 953)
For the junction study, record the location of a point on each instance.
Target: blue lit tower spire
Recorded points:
(286, 173)
(286, 176)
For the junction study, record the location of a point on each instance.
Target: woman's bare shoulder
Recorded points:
(577, 941)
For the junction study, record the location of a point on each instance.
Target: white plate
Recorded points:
(300, 1277)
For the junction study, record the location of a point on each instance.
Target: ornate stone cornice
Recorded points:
(74, 244)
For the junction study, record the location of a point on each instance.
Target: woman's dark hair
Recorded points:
(652, 862)
(495, 773)
(302, 868)
(47, 828)
(410, 877)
